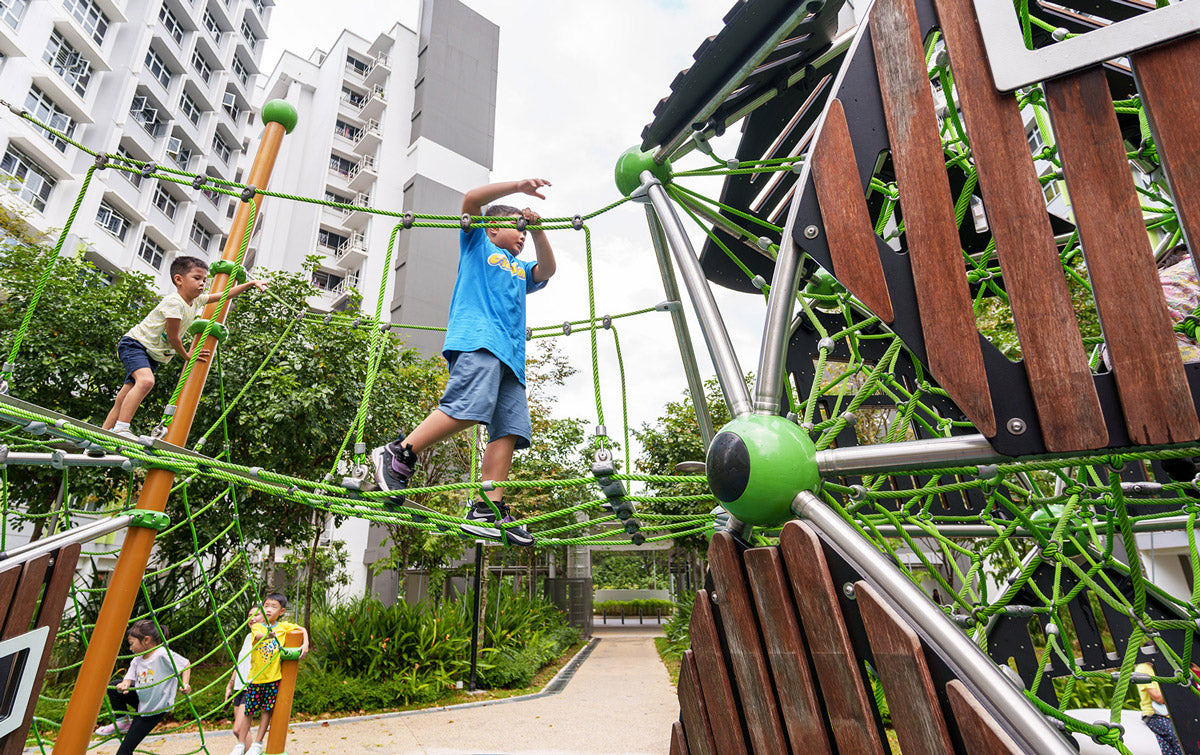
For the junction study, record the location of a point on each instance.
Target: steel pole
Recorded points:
(983, 678)
(686, 353)
(909, 454)
(768, 386)
(82, 534)
(720, 348)
(84, 707)
(475, 614)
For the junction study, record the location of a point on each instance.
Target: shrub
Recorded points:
(678, 629)
(648, 607)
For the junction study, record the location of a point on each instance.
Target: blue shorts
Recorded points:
(484, 389)
(134, 357)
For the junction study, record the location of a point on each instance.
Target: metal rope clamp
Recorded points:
(603, 468)
(230, 268)
(153, 520)
(199, 325)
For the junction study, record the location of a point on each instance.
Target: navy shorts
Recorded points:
(484, 389)
(134, 356)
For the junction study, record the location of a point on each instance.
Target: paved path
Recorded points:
(620, 700)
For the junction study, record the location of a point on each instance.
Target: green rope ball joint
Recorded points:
(822, 284)
(281, 112)
(756, 466)
(631, 163)
(1049, 517)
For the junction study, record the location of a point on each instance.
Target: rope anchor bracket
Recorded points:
(153, 520)
(200, 325)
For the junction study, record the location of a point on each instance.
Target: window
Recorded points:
(345, 129)
(327, 281)
(1036, 143)
(171, 24)
(165, 202)
(35, 183)
(178, 153)
(152, 253)
(222, 149)
(353, 97)
(158, 69)
(133, 177)
(190, 108)
(239, 70)
(13, 10)
(213, 27)
(333, 196)
(41, 107)
(339, 164)
(201, 66)
(147, 115)
(112, 221)
(200, 237)
(68, 63)
(229, 105)
(1051, 189)
(329, 239)
(213, 196)
(258, 6)
(248, 33)
(357, 66)
(90, 17)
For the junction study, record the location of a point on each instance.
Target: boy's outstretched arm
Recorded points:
(546, 264)
(475, 199)
(239, 288)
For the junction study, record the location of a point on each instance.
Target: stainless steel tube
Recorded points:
(983, 678)
(686, 353)
(81, 534)
(768, 388)
(59, 460)
(911, 454)
(720, 348)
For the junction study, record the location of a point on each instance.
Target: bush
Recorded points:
(678, 629)
(648, 607)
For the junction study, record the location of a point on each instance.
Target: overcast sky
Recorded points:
(577, 83)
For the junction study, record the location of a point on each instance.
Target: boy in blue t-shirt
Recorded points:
(485, 346)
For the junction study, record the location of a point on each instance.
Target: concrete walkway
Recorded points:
(619, 700)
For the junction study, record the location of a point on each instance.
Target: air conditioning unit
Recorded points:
(174, 145)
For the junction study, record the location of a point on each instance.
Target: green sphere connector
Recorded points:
(631, 163)
(822, 284)
(756, 466)
(281, 112)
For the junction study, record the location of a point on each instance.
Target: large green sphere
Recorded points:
(757, 464)
(281, 112)
(629, 169)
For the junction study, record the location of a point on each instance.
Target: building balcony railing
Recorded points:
(363, 173)
(369, 138)
(351, 252)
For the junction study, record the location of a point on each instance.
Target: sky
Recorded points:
(577, 83)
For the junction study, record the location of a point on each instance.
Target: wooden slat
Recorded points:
(1057, 364)
(713, 674)
(844, 214)
(49, 615)
(904, 674)
(8, 586)
(1133, 311)
(939, 273)
(1170, 89)
(691, 709)
(795, 687)
(746, 652)
(839, 673)
(979, 731)
(678, 741)
(19, 616)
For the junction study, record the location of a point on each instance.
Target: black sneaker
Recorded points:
(481, 513)
(387, 476)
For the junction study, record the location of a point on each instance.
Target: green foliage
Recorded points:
(647, 607)
(625, 571)
(678, 629)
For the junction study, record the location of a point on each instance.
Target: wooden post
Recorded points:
(126, 580)
(277, 738)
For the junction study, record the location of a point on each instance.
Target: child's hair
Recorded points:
(500, 210)
(185, 264)
(279, 598)
(1174, 255)
(144, 628)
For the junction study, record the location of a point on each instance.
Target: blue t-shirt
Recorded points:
(487, 308)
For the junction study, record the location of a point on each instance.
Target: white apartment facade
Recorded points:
(167, 81)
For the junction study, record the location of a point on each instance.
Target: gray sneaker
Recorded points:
(481, 514)
(394, 465)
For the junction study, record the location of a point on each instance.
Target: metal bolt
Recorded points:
(713, 596)
(811, 231)
(848, 590)
(1016, 426)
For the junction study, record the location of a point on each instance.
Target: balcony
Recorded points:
(363, 174)
(349, 108)
(351, 253)
(374, 105)
(369, 139)
(357, 218)
(379, 71)
(82, 41)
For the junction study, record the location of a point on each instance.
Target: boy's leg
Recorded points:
(497, 461)
(111, 419)
(435, 428)
(143, 382)
(394, 462)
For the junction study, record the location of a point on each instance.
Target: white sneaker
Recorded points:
(238, 749)
(255, 749)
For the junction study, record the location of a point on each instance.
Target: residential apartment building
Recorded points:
(167, 81)
(405, 122)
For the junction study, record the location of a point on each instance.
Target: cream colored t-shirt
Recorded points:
(152, 331)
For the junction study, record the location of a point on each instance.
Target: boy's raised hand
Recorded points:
(530, 186)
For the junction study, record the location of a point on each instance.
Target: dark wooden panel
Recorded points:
(795, 687)
(1055, 359)
(691, 709)
(745, 647)
(19, 616)
(939, 274)
(714, 678)
(979, 731)
(1170, 87)
(678, 741)
(1133, 311)
(839, 672)
(844, 214)
(904, 674)
(49, 615)
(8, 587)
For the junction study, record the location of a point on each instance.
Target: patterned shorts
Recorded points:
(261, 697)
